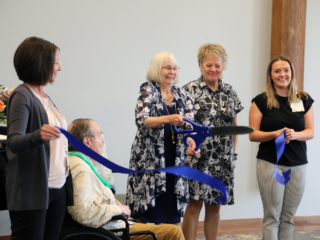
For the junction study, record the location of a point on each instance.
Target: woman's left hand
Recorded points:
(290, 134)
(192, 146)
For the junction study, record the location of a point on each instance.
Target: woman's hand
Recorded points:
(48, 132)
(290, 134)
(192, 146)
(175, 119)
(278, 132)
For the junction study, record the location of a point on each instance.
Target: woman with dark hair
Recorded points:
(38, 189)
(282, 107)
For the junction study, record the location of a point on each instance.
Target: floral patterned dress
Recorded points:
(148, 151)
(214, 109)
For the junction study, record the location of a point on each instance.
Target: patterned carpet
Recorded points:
(302, 235)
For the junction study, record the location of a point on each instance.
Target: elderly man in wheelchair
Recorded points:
(94, 202)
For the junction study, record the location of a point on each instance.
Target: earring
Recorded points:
(221, 77)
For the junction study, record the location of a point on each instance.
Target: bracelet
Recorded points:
(235, 156)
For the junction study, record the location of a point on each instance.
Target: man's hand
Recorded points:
(118, 203)
(125, 211)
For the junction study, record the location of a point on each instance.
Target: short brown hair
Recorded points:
(34, 60)
(80, 128)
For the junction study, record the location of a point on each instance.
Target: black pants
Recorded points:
(40, 224)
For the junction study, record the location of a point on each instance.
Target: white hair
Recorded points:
(154, 71)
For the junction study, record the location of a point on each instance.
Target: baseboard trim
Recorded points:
(254, 225)
(249, 225)
(5, 237)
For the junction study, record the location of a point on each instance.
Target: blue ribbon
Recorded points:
(184, 171)
(280, 144)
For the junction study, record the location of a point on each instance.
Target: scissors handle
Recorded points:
(198, 133)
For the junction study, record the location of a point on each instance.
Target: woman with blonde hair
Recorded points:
(282, 107)
(216, 104)
(157, 197)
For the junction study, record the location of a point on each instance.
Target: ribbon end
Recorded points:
(282, 179)
(286, 174)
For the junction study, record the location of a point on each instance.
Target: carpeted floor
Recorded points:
(302, 235)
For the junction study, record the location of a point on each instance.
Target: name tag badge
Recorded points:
(297, 106)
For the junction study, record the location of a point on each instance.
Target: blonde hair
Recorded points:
(214, 50)
(293, 93)
(154, 71)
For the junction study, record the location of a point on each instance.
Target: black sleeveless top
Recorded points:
(295, 153)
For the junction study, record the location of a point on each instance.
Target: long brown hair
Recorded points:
(293, 93)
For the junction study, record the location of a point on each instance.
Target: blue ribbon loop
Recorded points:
(280, 144)
(184, 171)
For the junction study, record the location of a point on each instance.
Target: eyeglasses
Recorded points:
(175, 69)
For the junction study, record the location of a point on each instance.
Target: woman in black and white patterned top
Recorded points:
(215, 104)
(159, 197)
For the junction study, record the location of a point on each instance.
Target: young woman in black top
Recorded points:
(282, 107)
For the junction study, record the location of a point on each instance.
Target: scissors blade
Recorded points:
(232, 130)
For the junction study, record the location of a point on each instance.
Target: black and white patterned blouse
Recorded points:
(213, 109)
(148, 151)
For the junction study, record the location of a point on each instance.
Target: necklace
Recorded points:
(175, 106)
(59, 120)
(46, 103)
(30, 86)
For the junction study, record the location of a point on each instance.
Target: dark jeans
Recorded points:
(40, 224)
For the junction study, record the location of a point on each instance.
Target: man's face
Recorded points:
(96, 142)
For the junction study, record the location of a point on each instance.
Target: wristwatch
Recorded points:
(235, 156)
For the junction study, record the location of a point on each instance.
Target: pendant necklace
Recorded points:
(175, 106)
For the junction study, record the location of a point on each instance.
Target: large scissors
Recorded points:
(200, 132)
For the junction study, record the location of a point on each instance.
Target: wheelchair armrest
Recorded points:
(121, 218)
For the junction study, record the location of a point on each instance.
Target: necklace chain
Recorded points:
(46, 104)
(175, 106)
(58, 118)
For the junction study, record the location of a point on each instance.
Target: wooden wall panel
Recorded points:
(288, 33)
